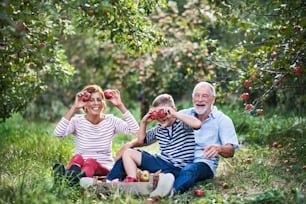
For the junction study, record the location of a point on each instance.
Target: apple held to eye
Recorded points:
(85, 96)
(153, 115)
(157, 114)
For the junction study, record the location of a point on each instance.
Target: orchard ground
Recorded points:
(268, 168)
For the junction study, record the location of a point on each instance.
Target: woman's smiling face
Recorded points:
(94, 106)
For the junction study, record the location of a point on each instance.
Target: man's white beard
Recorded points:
(201, 111)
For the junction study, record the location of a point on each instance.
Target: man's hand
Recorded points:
(213, 150)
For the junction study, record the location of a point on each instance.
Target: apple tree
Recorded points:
(267, 50)
(41, 42)
(30, 54)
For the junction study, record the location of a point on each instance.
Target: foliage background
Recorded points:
(51, 49)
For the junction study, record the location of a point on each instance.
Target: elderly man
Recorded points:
(217, 137)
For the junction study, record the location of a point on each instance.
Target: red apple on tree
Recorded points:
(247, 83)
(41, 45)
(108, 93)
(297, 28)
(248, 106)
(260, 111)
(245, 96)
(283, 28)
(297, 70)
(273, 55)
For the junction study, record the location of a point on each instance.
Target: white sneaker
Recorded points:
(164, 186)
(85, 182)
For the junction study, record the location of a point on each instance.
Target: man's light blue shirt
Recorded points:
(218, 128)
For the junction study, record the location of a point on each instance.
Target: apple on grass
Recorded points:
(198, 192)
(275, 144)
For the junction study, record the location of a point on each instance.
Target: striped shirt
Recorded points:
(176, 143)
(95, 140)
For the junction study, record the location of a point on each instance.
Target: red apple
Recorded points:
(20, 26)
(41, 45)
(260, 111)
(85, 96)
(108, 93)
(198, 192)
(297, 69)
(248, 106)
(247, 83)
(153, 115)
(275, 144)
(297, 28)
(283, 29)
(144, 176)
(273, 55)
(162, 113)
(245, 96)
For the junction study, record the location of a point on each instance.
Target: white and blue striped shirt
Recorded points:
(176, 143)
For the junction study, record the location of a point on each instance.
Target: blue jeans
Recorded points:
(149, 162)
(191, 174)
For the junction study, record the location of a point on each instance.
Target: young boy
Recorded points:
(174, 133)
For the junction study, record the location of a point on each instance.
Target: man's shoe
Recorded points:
(164, 186)
(58, 171)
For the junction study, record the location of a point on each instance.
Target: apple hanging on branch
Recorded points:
(245, 96)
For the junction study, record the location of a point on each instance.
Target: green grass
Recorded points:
(257, 174)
